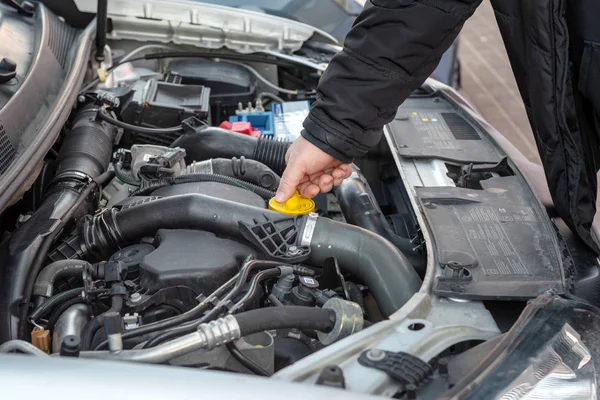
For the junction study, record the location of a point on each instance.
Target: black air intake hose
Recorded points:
(375, 260)
(360, 208)
(87, 149)
(242, 168)
(85, 154)
(221, 143)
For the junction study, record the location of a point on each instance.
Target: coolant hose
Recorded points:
(360, 208)
(44, 284)
(372, 258)
(273, 318)
(85, 154)
(220, 143)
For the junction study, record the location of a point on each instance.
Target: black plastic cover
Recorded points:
(195, 259)
(158, 104)
(426, 129)
(278, 239)
(494, 243)
(229, 84)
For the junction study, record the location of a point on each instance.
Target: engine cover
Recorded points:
(198, 260)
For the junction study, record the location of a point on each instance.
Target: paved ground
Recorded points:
(488, 80)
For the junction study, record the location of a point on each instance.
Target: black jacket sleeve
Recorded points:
(392, 48)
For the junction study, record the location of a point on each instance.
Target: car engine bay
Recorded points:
(148, 235)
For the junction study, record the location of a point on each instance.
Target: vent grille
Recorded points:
(60, 38)
(461, 129)
(163, 139)
(173, 77)
(7, 151)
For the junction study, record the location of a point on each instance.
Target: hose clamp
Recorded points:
(348, 320)
(309, 229)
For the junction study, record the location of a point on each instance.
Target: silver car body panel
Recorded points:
(204, 25)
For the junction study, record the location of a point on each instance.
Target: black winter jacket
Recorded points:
(554, 49)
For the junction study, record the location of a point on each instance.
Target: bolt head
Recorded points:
(135, 297)
(376, 355)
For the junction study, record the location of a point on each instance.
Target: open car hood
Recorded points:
(205, 25)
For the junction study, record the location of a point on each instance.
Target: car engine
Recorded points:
(148, 232)
(170, 248)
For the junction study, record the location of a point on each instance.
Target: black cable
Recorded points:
(58, 311)
(152, 186)
(245, 361)
(124, 176)
(53, 301)
(224, 56)
(102, 115)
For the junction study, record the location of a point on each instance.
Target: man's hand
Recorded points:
(310, 170)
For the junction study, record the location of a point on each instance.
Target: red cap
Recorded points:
(244, 128)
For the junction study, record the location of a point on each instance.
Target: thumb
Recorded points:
(291, 178)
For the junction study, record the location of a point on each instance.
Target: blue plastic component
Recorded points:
(262, 121)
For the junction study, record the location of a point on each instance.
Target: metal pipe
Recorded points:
(23, 347)
(207, 336)
(71, 322)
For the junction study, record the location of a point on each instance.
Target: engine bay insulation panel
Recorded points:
(493, 243)
(427, 128)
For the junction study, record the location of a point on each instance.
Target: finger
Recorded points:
(338, 173)
(325, 183)
(292, 176)
(347, 168)
(338, 182)
(314, 177)
(309, 190)
(324, 180)
(326, 188)
(303, 186)
(287, 156)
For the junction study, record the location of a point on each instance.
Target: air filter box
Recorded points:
(157, 104)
